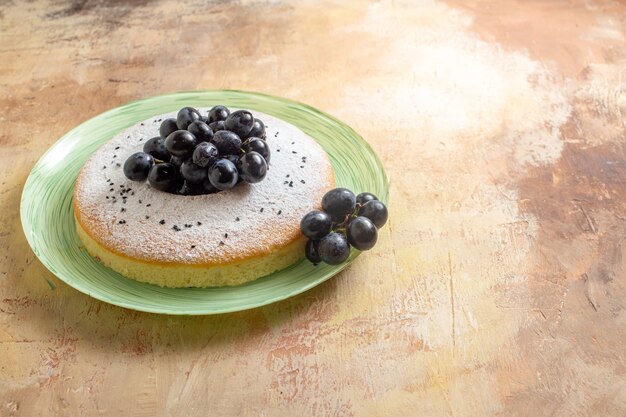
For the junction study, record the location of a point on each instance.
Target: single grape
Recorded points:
(311, 251)
(181, 143)
(167, 126)
(193, 173)
(376, 211)
(252, 167)
(334, 248)
(186, 116)
(223, 174)
(217, 126)
(363, 198)
(339, 203)
(138, 165)
(201, 131)
(240, 122)
(316, 224)
(257, 145)
(218, 113)
(163, 177)
(205, 154)
(156, 148)
(258, 130)
(362, 233)
(227, 143)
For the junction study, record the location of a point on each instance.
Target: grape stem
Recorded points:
(341, 227)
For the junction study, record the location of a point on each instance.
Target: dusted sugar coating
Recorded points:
(134, 220)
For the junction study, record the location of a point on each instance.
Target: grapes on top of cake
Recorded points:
(196, 154)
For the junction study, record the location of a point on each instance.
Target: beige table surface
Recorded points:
(497, 288)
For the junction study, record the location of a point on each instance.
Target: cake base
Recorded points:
(182, 276)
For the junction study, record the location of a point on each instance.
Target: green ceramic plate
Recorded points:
(47, 213)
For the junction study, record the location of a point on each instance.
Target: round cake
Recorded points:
(227, 238)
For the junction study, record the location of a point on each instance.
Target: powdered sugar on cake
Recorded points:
(138, 221)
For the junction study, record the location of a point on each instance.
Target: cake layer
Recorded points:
(179, 276)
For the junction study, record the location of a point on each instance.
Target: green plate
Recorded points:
(47, 213)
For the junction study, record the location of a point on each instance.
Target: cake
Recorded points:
(225, 238)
